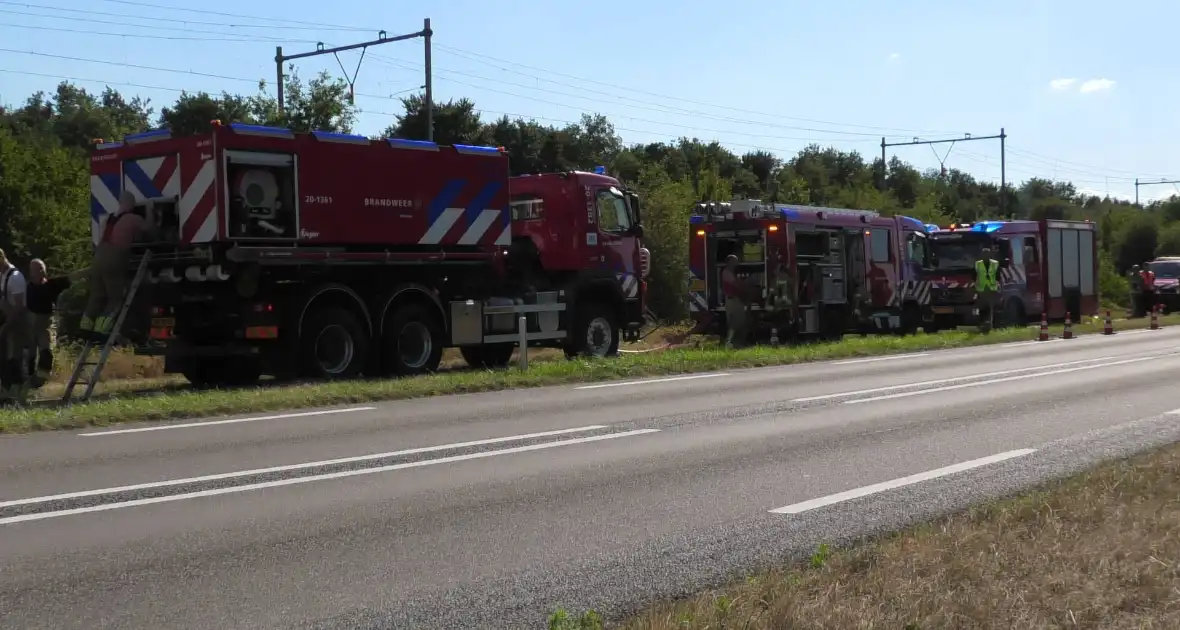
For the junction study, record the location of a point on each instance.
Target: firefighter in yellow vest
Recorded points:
(986, 286)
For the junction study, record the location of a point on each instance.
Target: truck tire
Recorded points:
(1013, 315)
(595, 332)
(333, 345)
(484, 357)
(413, 342)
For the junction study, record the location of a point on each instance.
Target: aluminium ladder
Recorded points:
(84, 358)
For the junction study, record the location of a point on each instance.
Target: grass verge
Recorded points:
(1098, 550)
(133, 406)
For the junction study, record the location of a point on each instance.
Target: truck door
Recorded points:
(856, 255)
(614, 238)
(1034, 274)
(916, 259)
(882, 277)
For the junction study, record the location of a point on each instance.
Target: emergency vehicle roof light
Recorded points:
(148, 136)
(987, 227)
(420, 145)
(474, 150)
(696, 218)
(262, 130)
(216, 122)
(930, 227)
(600, 170)
(345, 138)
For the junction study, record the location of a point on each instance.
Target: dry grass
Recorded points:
(1099, 550)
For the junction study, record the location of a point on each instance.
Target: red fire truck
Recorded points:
(1045, 266)
(332, 255)
(821, 271)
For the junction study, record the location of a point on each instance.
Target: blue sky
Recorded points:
(1085, 92)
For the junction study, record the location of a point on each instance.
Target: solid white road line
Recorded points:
(652, 381)
(831, 499)
(944, 380)
(305, 465)
(894, 357)
(210, 423)
(995, 380)
(301, 480)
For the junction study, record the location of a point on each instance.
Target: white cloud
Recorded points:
(894, 56)
(1061, 84)
(1096, 85)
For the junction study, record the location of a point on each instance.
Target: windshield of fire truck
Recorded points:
(613, 213)
(956, 254)
(1165, 268)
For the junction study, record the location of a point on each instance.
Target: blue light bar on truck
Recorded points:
(987, 227)
(262, 130)
(345, 138)
(469, 149)
(148, 136)
(420, 145)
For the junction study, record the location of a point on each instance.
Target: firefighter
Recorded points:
(14, 332)
(108, 277)
(986, 286)
(1136, 282)
(1147, 289)
(43, 292)
(736, 311)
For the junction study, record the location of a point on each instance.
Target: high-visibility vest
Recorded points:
(985, 275)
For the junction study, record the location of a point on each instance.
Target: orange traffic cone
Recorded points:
(1068, 332)
(1108, 327)
(1044, 336)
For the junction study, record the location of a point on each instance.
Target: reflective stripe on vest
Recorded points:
(985, 275)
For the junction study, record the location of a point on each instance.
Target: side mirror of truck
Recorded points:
(633, 199)
(637, 230)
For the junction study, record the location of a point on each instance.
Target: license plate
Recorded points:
(943, 310)
(164, 322)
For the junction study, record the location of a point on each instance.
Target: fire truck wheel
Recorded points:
(334, 344)
(595, 332)
(494, 356)
(413, 341)
(1013, 314)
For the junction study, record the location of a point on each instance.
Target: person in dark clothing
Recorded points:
(41, 298)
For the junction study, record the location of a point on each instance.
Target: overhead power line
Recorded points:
(611, 115)
(778, 150)
(272, 19)
(156, 20)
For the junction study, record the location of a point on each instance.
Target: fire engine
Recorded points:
(333, 255)
(821, 271)
(1046, 266)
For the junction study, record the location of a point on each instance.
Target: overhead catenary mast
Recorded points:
(941, 161)
(425, 34)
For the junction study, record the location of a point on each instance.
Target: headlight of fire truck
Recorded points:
(644, 261)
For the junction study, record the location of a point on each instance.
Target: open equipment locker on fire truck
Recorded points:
(331, 255)
(821, 271)
(1047, 266)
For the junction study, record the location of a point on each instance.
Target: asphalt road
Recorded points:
(491, 510)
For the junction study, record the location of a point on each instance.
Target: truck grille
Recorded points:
(953, 296)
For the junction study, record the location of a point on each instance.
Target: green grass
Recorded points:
(140, 405)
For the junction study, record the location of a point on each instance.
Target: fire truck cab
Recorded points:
(1045, 266)
(820, 271)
